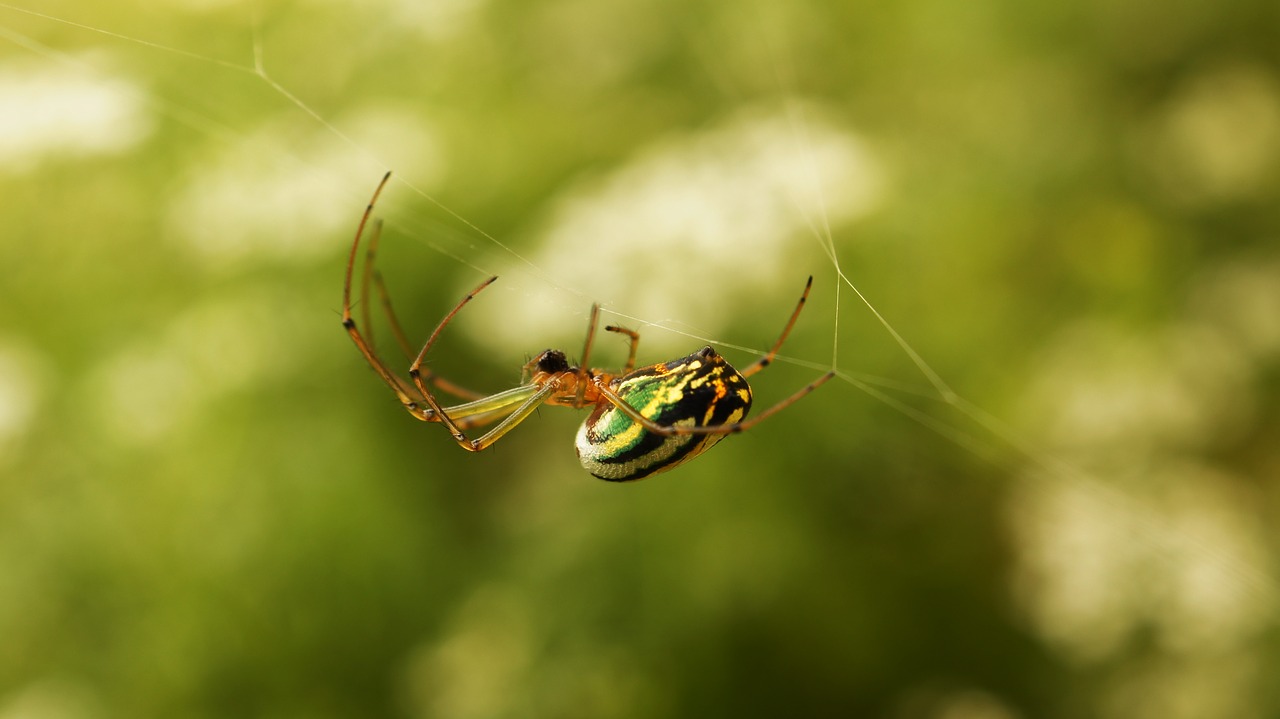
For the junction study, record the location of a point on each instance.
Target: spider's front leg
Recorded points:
(511, 407)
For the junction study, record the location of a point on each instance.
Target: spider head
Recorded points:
(551, 362)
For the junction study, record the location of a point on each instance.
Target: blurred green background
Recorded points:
(211, 507)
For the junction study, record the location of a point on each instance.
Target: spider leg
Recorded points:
(415, 369)
(512, 407)
(635, 344)
(480, 420)
(585, 363)
(408, 396)
(507, 408)
(766, 360)
(395, 383)
(488, 410)
(506, 400)
(584, 370)
(366, 321)
(397, 331)
(516, 417)
(667, 430)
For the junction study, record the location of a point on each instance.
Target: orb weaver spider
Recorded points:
(643, 421)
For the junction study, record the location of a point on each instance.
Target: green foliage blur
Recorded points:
(211, 507)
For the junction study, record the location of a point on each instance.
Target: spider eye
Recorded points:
(552, 361)
(706, 352)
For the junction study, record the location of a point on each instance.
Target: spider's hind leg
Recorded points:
(767, 359)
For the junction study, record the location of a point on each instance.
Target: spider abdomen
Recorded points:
(700, 390)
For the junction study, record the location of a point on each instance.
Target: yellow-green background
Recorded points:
(210, 507)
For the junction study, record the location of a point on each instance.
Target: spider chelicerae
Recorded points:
(643, 421)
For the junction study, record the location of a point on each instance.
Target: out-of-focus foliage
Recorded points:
(210, 507)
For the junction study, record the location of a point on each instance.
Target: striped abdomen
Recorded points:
(701, 390)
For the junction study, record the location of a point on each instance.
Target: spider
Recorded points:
(643, 421)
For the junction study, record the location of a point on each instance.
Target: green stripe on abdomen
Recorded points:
(689, 392)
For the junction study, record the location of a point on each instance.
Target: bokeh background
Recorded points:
(210, 507)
